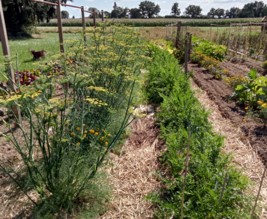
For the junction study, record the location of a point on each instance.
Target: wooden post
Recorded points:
(259, 191)
(186, 52)
(6, 52)
(189, 46)
(94, 18)
(102, 15)
(5, 48)
(59, 24)
(178, 34)
(83, 21)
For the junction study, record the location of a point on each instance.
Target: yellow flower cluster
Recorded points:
(95, 101)
(262, 104)
(87, 134)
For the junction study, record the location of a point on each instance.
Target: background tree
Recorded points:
(193, 11)
(94, 10)
(148, 9)
(254, 9)
(65, 14)
(211, 13)
(119, 12)
(21, 14)
(135, 13)
(234, 12)
(106, 14)
(219, 12)
(175, 9)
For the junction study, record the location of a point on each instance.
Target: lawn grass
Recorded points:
(21, 57)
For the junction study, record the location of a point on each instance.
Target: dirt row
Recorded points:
(218, 91)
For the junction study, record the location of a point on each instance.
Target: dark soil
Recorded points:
(253, 129)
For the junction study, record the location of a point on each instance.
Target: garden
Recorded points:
(120, 105)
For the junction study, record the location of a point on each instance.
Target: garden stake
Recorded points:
(178, 35)
(83, 21)
(255, 205)
(187, 159)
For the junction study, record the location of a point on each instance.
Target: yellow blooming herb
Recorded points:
(260, 102)
(106, 143)
(78, 129)
(72, 134)
(92, 131)
(96, 133)
(264, 105)
(97, 88)
(64, 140)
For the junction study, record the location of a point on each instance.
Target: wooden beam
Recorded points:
(5, 48)
(83, 22)
(45, 2)
(60, 29)
(10, 72)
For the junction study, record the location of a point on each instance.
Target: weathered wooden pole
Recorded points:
(94, 18)
(10, 72)
(83, 21)
(60, 29)
(178, 35)
(5, 48)
(189, 45)
(186, 59)
(102, 15)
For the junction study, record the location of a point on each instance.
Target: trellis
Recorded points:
(59, 19)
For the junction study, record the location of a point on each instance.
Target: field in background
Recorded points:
(47, 37)
(155, 22)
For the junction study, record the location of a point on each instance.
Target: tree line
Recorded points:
(22, 14)
(148, 9)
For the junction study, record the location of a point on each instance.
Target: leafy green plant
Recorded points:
(251, 91)
(198, 180)
(210, 63)
(208, 48)
(159, 77)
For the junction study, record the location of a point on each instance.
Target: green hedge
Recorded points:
(198, 179)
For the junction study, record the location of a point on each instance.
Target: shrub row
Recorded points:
(198, 179)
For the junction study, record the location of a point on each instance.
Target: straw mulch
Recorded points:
(132, 172)
(244, 157)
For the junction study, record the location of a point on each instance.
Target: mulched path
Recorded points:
(132, 173)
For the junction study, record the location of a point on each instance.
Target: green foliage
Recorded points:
(198, 180)
(193, 11)
(20, 15)
(148, 9)
(208, 48)
(209, 63)
(74, 116)
(159, 79)
(252, 93)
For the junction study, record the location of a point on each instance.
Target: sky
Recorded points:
(165, 5)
